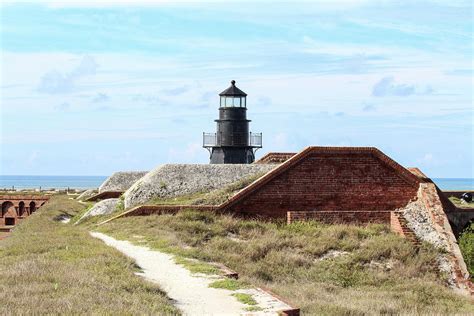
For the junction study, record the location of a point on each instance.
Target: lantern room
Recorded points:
(233, 97)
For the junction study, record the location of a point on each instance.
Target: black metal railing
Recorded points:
(250, 140)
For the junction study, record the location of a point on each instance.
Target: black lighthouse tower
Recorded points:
(233, 142)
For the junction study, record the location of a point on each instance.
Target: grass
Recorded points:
(245, 298)
(196, 266)
(48, 267)
(286, 259)
(466, 244)
(228, 284)
(458, 203)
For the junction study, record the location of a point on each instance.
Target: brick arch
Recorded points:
(22, 209)
(32, 207)
(8, 208)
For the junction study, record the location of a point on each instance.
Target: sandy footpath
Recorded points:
(191, 292)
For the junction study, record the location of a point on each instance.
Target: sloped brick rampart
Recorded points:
(275, 158)
(326, 179)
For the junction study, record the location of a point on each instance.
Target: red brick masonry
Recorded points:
(275, 158)
(361, 180)
(16, 207)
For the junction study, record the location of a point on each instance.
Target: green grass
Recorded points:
(196, 266)
(457, 202)
(253, 309)
(48, 267)
(245, 298)
(228, 284)
(285, 259)
(466, 244)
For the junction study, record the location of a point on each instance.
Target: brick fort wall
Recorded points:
(330, 180)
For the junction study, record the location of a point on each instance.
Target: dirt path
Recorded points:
(191, 292)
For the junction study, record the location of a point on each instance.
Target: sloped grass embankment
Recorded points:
(324, 269)
(48, 267)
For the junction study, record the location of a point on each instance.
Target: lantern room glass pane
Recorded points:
(237, 102)
(222, 101)
(244, 99)
(229, 101)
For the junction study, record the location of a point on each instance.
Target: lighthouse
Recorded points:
(232, 143)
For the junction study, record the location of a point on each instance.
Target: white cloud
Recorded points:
(55, 82)
(387, 87)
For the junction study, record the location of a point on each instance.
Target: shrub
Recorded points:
(466, 243)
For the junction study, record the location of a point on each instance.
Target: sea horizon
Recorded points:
(45, 182)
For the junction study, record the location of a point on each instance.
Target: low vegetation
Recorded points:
(324, 269)
(48, 267)
(245, 298)
(461, 203)
(466, 243)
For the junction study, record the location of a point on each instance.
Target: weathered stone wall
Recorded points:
(181, 179)
(121, 181)
(427, 218)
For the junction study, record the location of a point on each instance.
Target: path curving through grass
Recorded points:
(191, 293)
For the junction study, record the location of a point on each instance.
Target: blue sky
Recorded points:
(89, 88)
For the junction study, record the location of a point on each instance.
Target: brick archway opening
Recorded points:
(32, 207)
(21, 208)
(5, 207)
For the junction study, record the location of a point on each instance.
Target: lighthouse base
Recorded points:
(232, 155)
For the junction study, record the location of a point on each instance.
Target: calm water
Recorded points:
(454, 184)
(84, 182)
(49, 182)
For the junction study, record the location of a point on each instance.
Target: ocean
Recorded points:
(88, 182)
(51, 182)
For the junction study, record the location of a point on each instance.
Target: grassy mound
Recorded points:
(48, 267)
(324, 269)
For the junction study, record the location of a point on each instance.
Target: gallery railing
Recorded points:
(242, 140)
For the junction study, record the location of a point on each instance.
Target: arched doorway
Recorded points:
(21, 209)
(6, 206)
(32, 207)
(9, 213)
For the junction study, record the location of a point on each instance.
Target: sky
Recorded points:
(90, 88)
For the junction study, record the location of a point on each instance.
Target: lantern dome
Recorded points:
(233, 91)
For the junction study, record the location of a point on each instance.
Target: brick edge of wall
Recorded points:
(340, 217)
